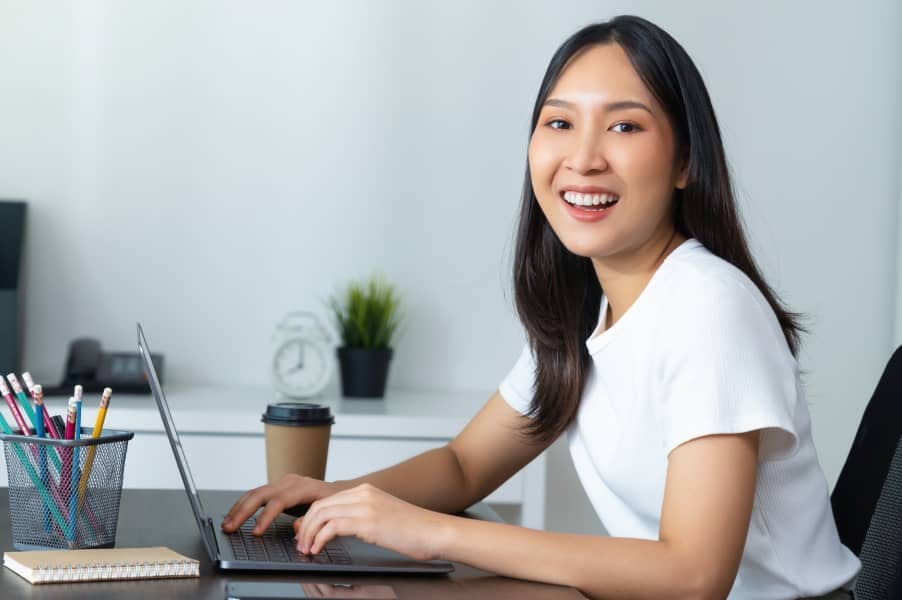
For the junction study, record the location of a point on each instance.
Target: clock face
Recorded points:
(300, 367)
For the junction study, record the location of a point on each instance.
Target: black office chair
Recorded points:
(867, 499)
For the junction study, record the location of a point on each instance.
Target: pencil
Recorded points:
(13, 408)
(76, 451)
(98, 428)
(49, 429)
(39, 431)
(20, 421)
(35, 479)
(49, 426)
(66, 473)
(23, 400)
(57, 432)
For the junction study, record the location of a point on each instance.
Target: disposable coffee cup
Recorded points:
(297, 439)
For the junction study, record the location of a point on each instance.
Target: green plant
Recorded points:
(367, 313)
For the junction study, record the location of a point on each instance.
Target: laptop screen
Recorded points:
(199, 514)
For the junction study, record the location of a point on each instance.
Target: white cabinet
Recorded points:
(222, 437)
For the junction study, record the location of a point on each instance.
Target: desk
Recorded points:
(163, 518)
(368, 435)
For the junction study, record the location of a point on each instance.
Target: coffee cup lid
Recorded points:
(298, 413)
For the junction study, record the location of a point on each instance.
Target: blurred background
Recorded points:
(204, 167)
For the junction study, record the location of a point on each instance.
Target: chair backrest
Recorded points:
(881, 552)
(866, 499)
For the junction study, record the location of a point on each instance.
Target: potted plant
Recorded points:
(367, 315)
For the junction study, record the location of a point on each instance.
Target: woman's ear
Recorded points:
(683, 177)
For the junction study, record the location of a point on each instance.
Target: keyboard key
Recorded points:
(278, 544)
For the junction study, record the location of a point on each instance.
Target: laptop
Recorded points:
(275, 550)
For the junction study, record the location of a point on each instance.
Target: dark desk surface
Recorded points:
(163, 518)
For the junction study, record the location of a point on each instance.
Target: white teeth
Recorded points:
(589, 199)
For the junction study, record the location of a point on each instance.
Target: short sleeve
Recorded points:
(726, 368)
(518, 387)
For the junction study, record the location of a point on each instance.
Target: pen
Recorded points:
(39, 431)
(23, 400)
(49, 425)
(98, 428)
(13, 408)
(38, 484)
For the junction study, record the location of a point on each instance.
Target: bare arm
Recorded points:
(489, 450)
(697, 555)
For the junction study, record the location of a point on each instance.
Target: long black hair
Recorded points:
(557, 293)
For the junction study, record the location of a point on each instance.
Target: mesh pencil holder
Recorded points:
(65, 493)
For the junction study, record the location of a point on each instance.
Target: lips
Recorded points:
(589, 213)
(590, 201)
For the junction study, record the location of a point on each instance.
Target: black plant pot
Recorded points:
(363, 371)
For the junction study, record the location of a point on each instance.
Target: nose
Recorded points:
(586, 155)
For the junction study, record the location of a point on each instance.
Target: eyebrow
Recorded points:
(609, 106)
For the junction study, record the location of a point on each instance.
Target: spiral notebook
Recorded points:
(57, 566)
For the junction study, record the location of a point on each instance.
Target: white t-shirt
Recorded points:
(700, 352)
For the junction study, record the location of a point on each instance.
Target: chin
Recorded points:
(588, 248)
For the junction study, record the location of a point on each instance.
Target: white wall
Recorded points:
(205, 167)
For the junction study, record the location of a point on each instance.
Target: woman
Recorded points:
(653, 341)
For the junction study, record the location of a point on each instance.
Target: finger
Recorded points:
(329, 532)
(245, 507)
(320, 511)
(272, 510)
(362, 498)
(286, 492)
(238, 503)
(320, 520)
(340, 499)
(240, 500)
(352, 496)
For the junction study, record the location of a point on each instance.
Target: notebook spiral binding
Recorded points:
(110, 571)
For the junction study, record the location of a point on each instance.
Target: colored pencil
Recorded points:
(49, 426)
(35, 479)
(13, 408)
(23, 400)
(39, 431)
(98, 429)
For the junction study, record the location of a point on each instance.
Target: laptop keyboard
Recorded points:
(277, 545)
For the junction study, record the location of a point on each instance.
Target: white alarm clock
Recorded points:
(303, 356)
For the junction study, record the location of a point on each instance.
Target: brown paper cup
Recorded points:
(297, 439)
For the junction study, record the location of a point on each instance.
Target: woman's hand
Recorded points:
(373, 516)
(288, 491)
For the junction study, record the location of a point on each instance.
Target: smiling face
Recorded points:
(602, 159)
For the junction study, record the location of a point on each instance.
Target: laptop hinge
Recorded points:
(213, 546)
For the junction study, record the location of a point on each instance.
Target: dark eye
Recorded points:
(559, 124)
(630, 127)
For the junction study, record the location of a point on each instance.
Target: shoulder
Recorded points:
(708, 297)
(699, 282)
(721, 360)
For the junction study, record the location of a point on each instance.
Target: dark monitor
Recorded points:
(12, 235)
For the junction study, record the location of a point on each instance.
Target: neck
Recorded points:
(624, 275)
